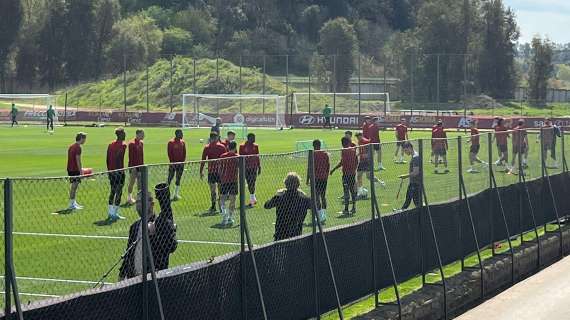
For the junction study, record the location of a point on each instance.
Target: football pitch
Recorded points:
(57, 252)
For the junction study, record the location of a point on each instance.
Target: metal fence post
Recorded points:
(125, 87)
(359, 85)
(334, 84)
(243, 220)
(311, 167)
(240, 81)
(420, 215)
(263, 81)
(65, 110)
(564, 164)
(373, 221)
(437, 81)
(10, 274)
(147, 89)
(459, 183)
(242, 256)
(491, 207)
(145, 249)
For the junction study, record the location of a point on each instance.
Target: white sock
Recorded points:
(111, 209)
(71, 202)
(116, 210)
(177, 190)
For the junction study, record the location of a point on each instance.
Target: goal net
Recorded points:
(363, 103)
(203, 109)
(34, 107)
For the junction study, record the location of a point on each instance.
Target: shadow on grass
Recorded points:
(103, 223)
(207, 214)
(63, 211)
(224, 226)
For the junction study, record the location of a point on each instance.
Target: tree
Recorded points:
(541, 69)
(497, 73)
(136, 42)
(198, 23)
(176, 41)
(80, 38)
(10, 20)
(107, 12)
(338, 39)
(51, 40)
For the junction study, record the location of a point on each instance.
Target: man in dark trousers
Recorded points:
(177, 156)
(161, 232)
(291, 208)
(414, 176)
(115, 164)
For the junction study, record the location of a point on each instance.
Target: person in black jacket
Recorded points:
(161, 232)
(291, 208)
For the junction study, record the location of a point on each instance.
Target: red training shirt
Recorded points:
(116, 155)
(322, 165)
(501, 134)
(374, 133)
(228, 166)
(363, 149)
(72, 153)
(366, 130)
(212, 151)
(251, 150)
(401, 132)
(176, 150)
(136, 153)
(437, 134)
(475, 136)
(519, 134)
(349, 161)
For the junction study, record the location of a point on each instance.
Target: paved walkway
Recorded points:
(545, 295)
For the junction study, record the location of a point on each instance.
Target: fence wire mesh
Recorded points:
(196, 226)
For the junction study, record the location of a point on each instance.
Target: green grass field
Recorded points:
(57, 254)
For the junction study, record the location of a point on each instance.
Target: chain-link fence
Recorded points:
(251, 236)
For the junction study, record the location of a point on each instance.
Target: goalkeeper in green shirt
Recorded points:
(14, 114)
(327, 111)
(50, 115)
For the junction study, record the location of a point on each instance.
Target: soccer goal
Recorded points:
(349, 103)
(35, 106)
(201, 109)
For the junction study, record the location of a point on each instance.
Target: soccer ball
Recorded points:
(201, 140)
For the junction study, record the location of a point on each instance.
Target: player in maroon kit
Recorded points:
(74, 169)
(115, 164)
(212, 151)
(520, 145)
(349, 164)
(363, 165)
(228, 171)
(321, 167)
(252, 165)
(176, 155)
(401, 131)
(374, 137)
(231, 136)
(136, 158)
(474, 140)
(439, 145)
(502, 138)
(366, 126)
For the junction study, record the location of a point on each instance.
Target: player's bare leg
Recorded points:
(213, 197)
(232, 209)
(133, 178)
(72, 196)
(223, 210)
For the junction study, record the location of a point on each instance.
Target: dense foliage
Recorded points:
(56, 43)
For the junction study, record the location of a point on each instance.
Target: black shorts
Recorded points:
(321, 186)
(117, 177)
(502, 148)
(519, 149)
(475, 149)
(349, 180)
(377, 146)
(229, 188)
(439, 151)
(214, 177)
(363, 166)
(74, 176)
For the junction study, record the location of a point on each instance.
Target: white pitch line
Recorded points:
(63, 235)
(60, 280)
(35, 294)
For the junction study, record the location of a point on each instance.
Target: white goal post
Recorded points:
(374, 103)
(34, 105)
(204, 108)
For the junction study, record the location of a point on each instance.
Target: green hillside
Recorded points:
(109, 93)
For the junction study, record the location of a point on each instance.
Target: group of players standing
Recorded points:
(221, 156)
